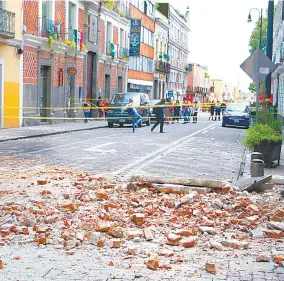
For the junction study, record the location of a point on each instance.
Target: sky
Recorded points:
(220, 34)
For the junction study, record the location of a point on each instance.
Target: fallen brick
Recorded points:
(208, 229)
(173, 239)
(42, 181)
(276, 234)
(148, 234)
(263, 258)
(152, 264)
(130, 234)
(116, 243)
(102, 195)
(116, 231)
(138, 218)
(187, 243)
(1, 264)
(210, 268)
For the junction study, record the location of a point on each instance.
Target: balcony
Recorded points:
(111, 49)
(50, 28)
(122, 9)
(123, 53)
(7, 24)
(162, 66)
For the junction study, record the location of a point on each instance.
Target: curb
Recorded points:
(51, 134)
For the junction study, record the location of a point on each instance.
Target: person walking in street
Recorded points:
(99, 105)
(185, 111)
(218, 111)
(132, 112)
(86, 110)
(176, 111)
(159, 111)
(195, 112)
(212, 111)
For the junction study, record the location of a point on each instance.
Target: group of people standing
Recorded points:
(102, 106)
(215, 111)
(185, 111)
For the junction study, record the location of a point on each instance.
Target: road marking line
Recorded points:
(154, 156)
(98, 150)
(64, 145)
(205, 132)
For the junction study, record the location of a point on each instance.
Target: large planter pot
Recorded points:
(271, 151)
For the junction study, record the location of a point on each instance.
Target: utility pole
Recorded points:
(269, 45)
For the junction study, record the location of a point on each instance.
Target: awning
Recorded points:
(140, 82)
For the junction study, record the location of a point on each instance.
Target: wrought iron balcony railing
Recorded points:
(50, 28)
(123, 53)
(162, 66)
(122, 9)
(7, 24)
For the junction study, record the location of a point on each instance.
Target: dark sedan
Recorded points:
(236, 115)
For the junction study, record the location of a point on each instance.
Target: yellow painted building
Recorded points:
(11, 49)
(218, 88)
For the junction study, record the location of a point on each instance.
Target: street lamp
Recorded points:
(259, 46)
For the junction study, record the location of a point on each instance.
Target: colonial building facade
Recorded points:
(73, 51)
(11, 63)
(162, 66)
(178, 49)
(277, 77)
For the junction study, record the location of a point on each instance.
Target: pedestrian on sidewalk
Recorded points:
(132, 112)
(86, 110)
(159, 111)
(212, 111)
(185, 111)
(195, 112)
(176, 111)
(99, 105)
(105, 106)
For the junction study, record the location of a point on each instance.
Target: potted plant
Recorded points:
(266, 139)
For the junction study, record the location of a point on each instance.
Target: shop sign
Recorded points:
(72, 71)
(135, 33)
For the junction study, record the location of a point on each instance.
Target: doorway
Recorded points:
(71, 97)
(91, 78)
(119, 84)
(107, 87)
(45, 94)
(156, 91)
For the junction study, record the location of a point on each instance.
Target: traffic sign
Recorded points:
(257, 66)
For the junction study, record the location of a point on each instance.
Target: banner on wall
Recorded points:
(135, 33)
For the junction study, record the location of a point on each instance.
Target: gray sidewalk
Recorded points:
(44, 130)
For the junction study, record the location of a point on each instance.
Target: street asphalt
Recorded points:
(202, 150)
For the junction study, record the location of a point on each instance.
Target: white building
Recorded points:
(162, 66)
(177, 47)
(277, 77)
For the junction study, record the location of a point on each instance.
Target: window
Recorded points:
(121, 38)
(47, 9)
(2, 4)
(71, 16)
(109, 32)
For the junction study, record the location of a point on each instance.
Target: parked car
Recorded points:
(152, 115)
(237, 115)
(117, 113)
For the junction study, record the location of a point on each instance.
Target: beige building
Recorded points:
(217, 86)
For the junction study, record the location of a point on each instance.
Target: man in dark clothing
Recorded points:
(212, 110)
(176, 111)
(217, 112)
(223, 107)
(160, 115)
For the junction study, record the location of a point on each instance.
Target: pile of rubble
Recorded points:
(66, 210)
